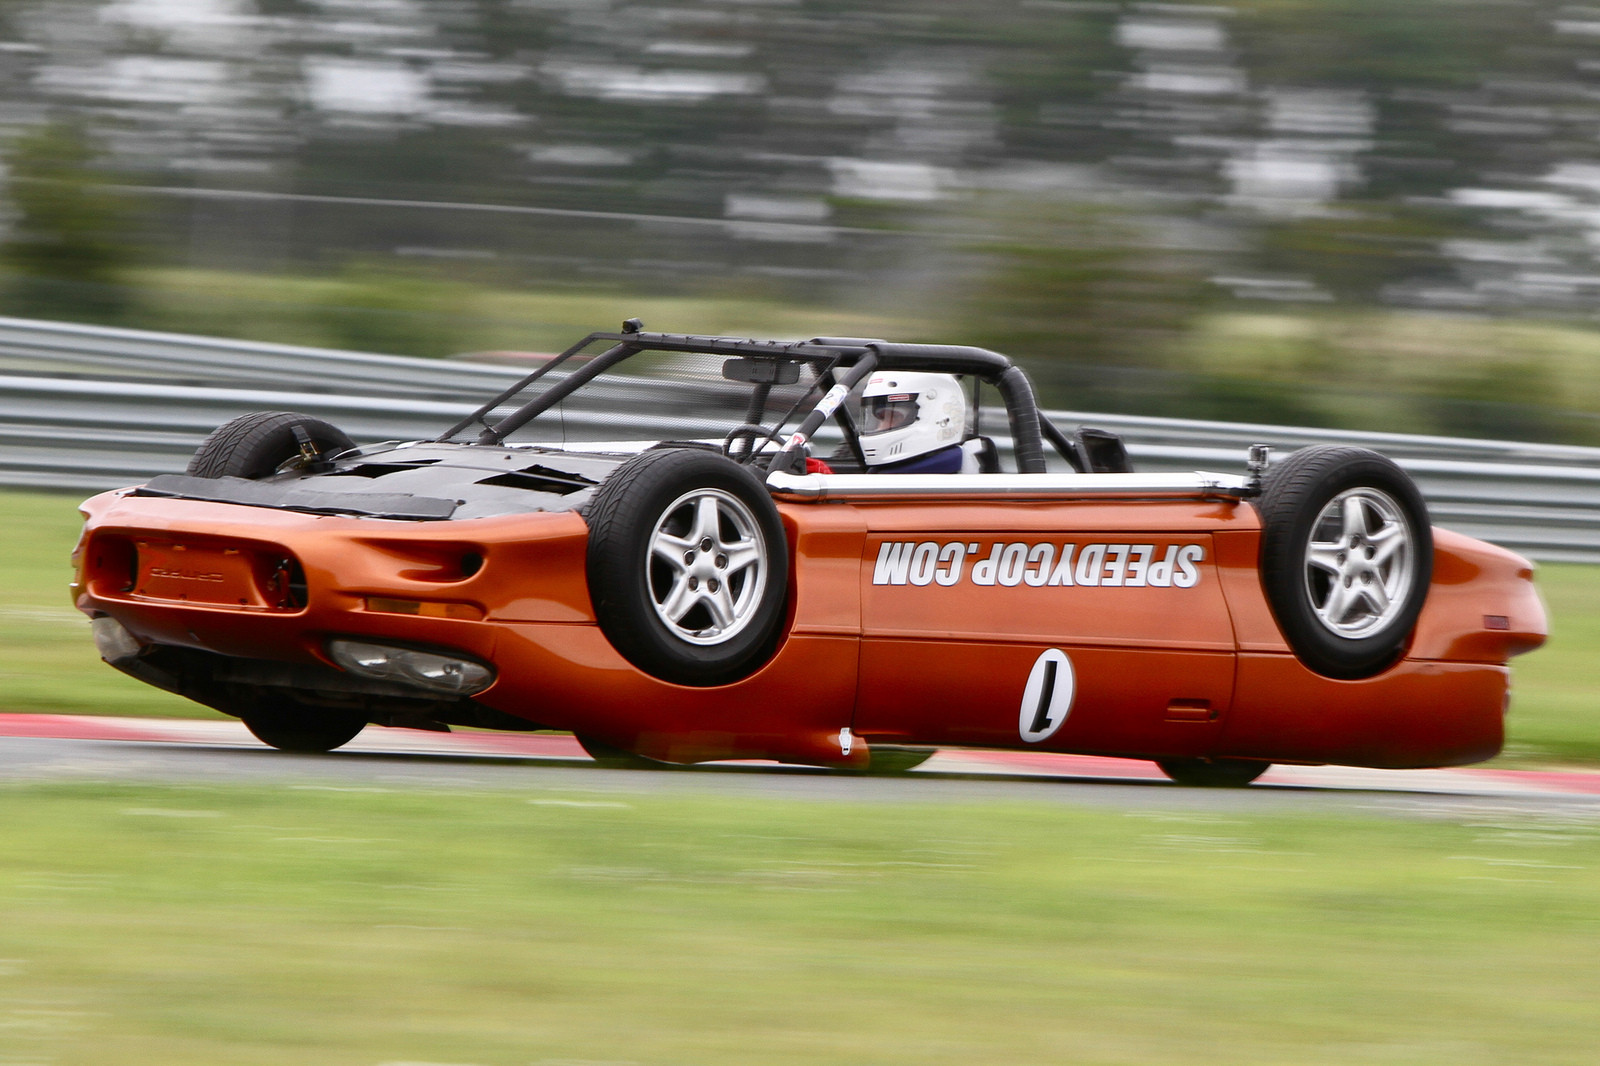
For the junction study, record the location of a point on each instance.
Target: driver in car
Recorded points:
(912, 423)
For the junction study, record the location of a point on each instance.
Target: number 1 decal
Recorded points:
(1047, 698)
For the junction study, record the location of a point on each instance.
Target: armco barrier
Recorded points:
(84, 408)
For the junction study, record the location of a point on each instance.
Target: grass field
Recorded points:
(1392, 369)
(431, 317)
(47, 662)
(47, 659)
(175, 926)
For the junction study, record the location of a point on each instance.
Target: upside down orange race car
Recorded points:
(734, 593)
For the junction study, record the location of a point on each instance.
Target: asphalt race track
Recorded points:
(37, 748)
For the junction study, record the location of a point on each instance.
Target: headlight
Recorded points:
(434, 671)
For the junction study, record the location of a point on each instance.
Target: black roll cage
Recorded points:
(841, 362)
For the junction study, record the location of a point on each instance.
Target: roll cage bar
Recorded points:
(841, 362)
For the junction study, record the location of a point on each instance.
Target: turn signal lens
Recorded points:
(464, 612)
(434, 671)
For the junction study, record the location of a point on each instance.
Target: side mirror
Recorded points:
(761, 371)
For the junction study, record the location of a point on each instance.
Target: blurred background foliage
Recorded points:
(1333, 212)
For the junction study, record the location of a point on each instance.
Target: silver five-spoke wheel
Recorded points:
(1346, 557)
(1359, 562)
(688, 565)
(707, 566)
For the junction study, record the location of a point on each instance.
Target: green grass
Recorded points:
(171, 925)
(1361, 369)
(1385, 370)
(48, 663)
(1354, 367)
(1555, 699)
(423, 315)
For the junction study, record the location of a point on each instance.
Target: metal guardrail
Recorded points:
(85, 408)
(1539, 499)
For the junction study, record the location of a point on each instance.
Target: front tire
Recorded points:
(289, 725)
(1346, 557)
(888, 760)
(688, 566)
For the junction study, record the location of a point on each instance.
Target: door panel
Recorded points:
(1123, 701)
(954, 626)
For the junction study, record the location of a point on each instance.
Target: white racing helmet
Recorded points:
(904, 415)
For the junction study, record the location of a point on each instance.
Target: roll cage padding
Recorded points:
(1022, 409)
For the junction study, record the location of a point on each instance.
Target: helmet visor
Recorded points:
(879, 414)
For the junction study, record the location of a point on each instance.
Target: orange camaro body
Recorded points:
(1085, 612)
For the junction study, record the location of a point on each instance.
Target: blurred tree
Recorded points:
(1319, 159)
(1237, 398)
(371, 309)
(1377, 45)
(1086, 295)
(70, 239)
(1357, 253)
(1499, 397)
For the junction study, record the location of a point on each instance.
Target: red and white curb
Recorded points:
(228, 733)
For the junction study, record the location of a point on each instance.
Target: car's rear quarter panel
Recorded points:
(526, 610)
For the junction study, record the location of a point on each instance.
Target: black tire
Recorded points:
(1346, 557)
(256, 445)
(290, 725)
(688, 566)
(1213, 773)
(890, 759)
(614, 758)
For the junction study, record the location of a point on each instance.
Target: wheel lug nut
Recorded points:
(694, 583)
(705, 544)
(688, 557)
(721, 561)
(714, 585)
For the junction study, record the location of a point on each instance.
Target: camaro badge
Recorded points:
(929, 562)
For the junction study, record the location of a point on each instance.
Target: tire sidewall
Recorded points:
(1294, 493)
(285, 722)
(1212, 773)
(253, 446)
(623, 516)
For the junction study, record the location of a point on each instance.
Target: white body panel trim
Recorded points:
(852, 486)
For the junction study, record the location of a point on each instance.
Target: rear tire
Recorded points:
(255, 445)
(1213, 773)
(688, 566)
(614, 758)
